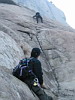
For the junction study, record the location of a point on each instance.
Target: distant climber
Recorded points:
(37, 17)
(35, 77)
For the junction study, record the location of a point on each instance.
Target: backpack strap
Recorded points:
(22, 67)
(21, 70)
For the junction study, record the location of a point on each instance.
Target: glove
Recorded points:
(43, 86)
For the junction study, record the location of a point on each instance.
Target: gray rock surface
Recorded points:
(19, 33)
(10, 52)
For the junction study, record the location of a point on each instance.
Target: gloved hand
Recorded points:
(43, 86)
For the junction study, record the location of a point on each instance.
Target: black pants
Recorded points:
(37, 18)
(38, 91)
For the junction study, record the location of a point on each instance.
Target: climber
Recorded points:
(36, 84)
(37, 17)
(29, 70)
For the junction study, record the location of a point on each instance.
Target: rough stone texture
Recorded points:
(59, 50)
(19, 33)
(10, 52)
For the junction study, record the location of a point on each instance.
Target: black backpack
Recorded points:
(23, 70)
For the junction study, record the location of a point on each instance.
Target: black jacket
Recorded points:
(37, 70)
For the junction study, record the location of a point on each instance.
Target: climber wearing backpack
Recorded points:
(30, 72)
(37, 17)
(36, 84)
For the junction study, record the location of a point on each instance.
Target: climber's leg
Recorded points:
(40, 93)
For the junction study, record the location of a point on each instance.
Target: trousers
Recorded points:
(38, 91)
(37, 18)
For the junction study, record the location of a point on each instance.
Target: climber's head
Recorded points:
(35, 52)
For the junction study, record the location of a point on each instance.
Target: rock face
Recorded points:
(19, 33)
(10, 53)
(47, 9)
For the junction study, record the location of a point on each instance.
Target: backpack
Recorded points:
(23, 70)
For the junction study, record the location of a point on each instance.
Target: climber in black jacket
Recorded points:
(35, 64)
(37, 17)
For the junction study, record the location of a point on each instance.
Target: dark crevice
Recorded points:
(23, 25)
(24, 32)
(29, 34)
(20, 25)
(53, 48)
